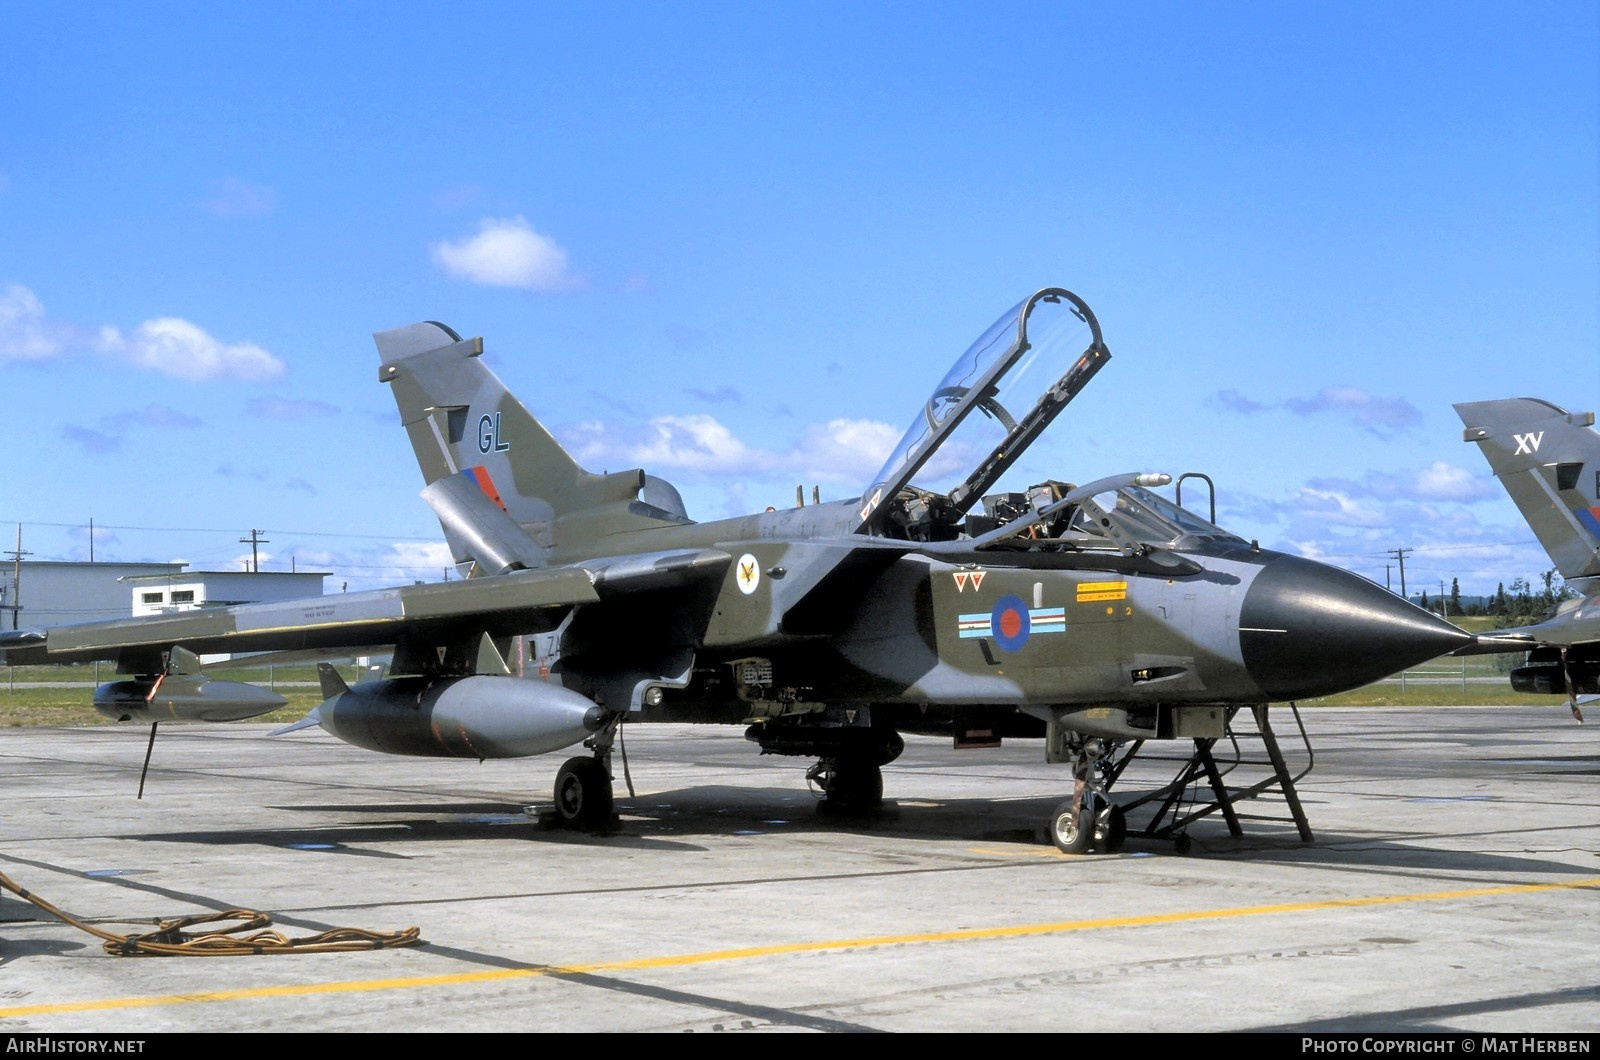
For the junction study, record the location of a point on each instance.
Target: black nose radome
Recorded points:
(1307, 629)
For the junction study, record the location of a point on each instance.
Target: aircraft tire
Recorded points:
(583, 794)
(1072, 833)
(855, 787)
(1111, 828)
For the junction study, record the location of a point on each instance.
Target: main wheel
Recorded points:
(850, 785)
(1072, 831)
(583, 794)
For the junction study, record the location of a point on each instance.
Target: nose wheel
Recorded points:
(1072, 828)
(1095, 825)
(1111, 828)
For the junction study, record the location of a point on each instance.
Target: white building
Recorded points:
(181, 590)
(37, 593)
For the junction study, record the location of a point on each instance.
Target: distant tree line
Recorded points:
(1518, 604)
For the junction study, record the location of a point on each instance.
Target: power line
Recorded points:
(223, 530)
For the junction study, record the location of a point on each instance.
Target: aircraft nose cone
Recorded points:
(1307, 629)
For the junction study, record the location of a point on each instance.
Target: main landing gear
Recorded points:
(850, 786)
(850, 755)
(583, 794)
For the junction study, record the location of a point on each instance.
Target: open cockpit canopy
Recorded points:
(997, 398)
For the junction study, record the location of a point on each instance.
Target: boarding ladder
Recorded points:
(1246, 765)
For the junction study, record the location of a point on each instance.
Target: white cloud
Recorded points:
(277, 408)
(1378, 415)
(1366, 410)
(114, 429)
(1440, 481)
(412, 556)
(178, 348)
(352, 569)
(1338, 509)
(92, 441)
(696, 442)
(1233, 401)
(507, 252)
(840, 450)
(232, 197)
(25, 334)
(844, 450)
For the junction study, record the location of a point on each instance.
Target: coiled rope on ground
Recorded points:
(171, 938)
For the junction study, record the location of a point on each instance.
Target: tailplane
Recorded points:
(505, 491)
(1549, 462)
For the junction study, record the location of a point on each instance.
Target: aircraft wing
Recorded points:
(1577, 622)
(445, 618)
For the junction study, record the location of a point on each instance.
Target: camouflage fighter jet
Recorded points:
(937, 602)
(1549, 462)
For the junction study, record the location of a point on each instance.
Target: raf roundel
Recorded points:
(1010, 623)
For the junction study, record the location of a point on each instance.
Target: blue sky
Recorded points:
(738, 242)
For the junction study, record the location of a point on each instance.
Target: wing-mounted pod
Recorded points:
(480, 717)
(484, 713)
(1018, 376)
(182, 693)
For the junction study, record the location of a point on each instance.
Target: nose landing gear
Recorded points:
(1091, 824)
(1089, 821)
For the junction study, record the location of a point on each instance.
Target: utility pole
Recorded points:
(1400, 554)
(16, 577)
(254, 540)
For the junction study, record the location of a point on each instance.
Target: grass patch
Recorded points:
(1390, 694)
(26, 699)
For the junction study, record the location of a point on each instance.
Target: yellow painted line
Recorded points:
(751, 952)
(1020, 852)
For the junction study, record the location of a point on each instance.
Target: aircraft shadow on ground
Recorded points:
(13, 950)
(688, 818)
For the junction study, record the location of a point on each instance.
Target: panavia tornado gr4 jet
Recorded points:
(1089, 616)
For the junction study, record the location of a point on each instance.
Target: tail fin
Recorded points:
(1549, 462)
(505, 491)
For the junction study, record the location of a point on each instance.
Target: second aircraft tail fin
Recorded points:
(1549, 462)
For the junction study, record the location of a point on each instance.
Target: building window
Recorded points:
(183, 596)
(150, 598)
